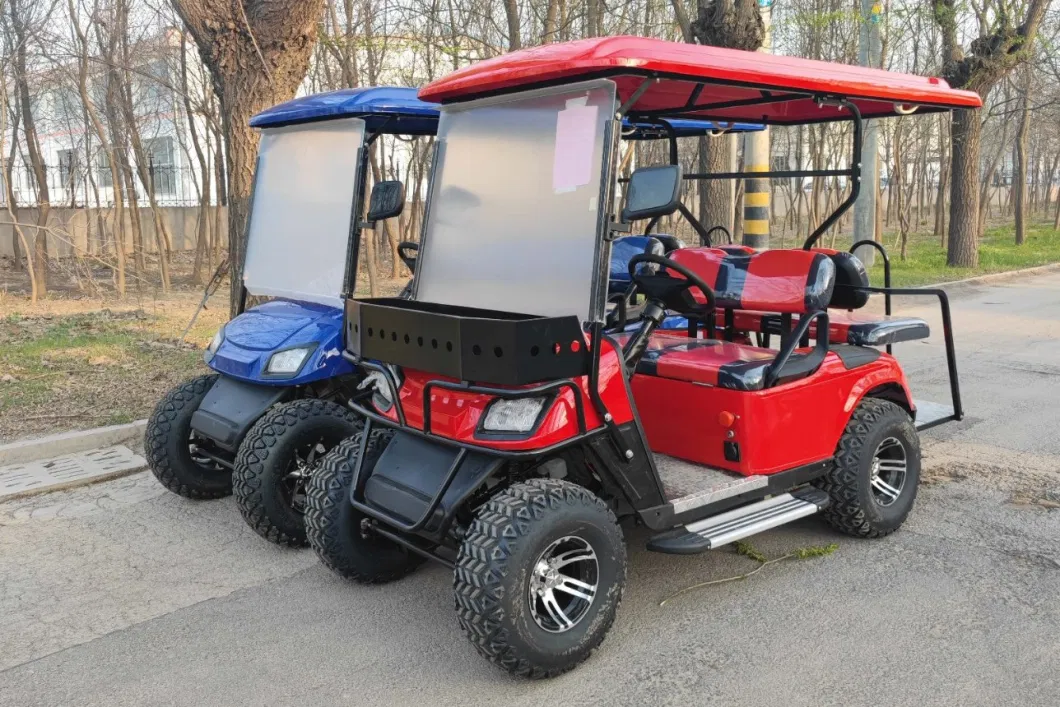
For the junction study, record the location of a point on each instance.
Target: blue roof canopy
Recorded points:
(384, 109)
(395, 110)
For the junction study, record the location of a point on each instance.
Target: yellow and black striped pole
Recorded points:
(756, 159)
(756, 200)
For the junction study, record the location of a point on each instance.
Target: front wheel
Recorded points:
(175, 454)
(278, 457)
(337, 531)
(874, 481)
(539, 577)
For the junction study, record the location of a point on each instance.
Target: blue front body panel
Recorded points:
(253, 336)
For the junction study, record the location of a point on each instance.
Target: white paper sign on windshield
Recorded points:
(572, 162)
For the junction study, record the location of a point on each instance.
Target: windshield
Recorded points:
(513, 218)
(300, 217)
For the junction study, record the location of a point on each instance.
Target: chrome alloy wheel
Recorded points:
(563, 584)
(888, 474)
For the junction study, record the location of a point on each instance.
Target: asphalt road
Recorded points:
(122, 594)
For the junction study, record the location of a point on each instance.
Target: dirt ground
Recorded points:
(82, 357)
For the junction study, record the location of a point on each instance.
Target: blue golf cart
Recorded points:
(276, 399)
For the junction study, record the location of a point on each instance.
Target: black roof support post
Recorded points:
(855, 178)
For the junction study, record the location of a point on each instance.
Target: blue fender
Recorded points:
(255, 335)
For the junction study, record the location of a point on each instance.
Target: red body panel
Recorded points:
(739, 75)
(777, 429)
(456, 414)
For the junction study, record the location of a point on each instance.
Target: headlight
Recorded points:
(289, 361)
(382, 397)
(518, 415)
(216, 342)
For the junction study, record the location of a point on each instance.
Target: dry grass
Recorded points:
(82, 357)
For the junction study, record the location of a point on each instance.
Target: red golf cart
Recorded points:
(509, 432)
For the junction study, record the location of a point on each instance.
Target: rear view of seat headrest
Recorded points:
(669, 242)
(787, 281)
(622, 251)
(849, 273)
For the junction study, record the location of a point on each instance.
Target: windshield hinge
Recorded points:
(618, 228)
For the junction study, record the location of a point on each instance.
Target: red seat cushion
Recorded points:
(706, 361)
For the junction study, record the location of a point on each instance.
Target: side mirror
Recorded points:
(652, 192)
(388, 200)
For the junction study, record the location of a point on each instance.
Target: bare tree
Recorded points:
(999, 48)
(20, 21)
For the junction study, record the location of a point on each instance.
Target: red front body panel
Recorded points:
(456, 414)
(777, 429)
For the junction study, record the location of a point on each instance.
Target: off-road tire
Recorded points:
(493, 568)
(333, 525)
(166, 444)
(853, 509)
(266, 454)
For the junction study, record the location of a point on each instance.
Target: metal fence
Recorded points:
(78, 187)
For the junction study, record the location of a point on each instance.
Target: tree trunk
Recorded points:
(511, 13)
(106, 148)
(716, 195)
(963, 247)
(1019, 182)
(36, 159)
(9, 185)
(940, 195)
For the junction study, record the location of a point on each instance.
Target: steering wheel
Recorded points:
(671, 292)
(407, 251)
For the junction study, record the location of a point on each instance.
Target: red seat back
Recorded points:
(785, 281)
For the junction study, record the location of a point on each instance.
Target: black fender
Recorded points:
(232, 406)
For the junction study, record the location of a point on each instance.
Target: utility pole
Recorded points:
(865, 206)
(756, 159)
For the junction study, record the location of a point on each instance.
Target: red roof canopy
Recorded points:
(697, 81)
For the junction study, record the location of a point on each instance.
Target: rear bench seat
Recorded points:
(856, 329)
(784, 281)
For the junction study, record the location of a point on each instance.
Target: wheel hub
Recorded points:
(888, 472)
(301, 468)
(563, 583)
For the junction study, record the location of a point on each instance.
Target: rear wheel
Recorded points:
(276, 460)
(337, 531)
(877, 469)
(539, 577)
(177, 457)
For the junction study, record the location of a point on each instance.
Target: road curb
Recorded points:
(994, 277)
(29, 450)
